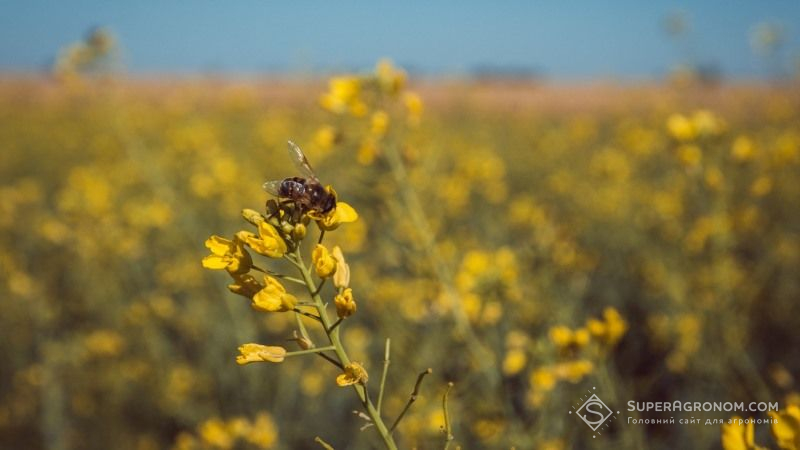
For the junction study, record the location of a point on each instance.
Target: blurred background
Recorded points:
(552, 198)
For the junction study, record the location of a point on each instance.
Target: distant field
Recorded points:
(526, 240)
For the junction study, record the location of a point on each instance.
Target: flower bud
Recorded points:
(252, 216)
(324, 263)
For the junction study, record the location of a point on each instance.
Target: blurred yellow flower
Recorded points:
(561, 336)
(379, 123)
(250, 353)
(736, 436)
(786, 428)
(325, 137)
(353, 373)
(342, 94)
(681, 128)
(273, 297)
(263, 432)
(707, 123)
(514, 362)
(543, 379)
(324, 263)
(390, 78)
(215, 433)
(228, 255)
(414, 107)
(690, 155)
(743, 149)
(345, 304)
(574, 371)
(616, 326)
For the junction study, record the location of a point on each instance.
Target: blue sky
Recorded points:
(561, 39)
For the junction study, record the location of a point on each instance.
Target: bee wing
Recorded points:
(273, 187)
(300, 161)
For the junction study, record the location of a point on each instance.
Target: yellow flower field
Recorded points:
(526, 242)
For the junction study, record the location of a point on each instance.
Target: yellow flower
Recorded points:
(252, 216)
(787, 428)
(743, 149)
(263, 433)
(597, 328)
(343, 213)
(228, 255)
(615, 326)
(214, 432)
(353, 373)
(574, 371)
(390, 78)
(345, 304)
(245, 285)
(580, 337)
(325, 137)
(268, 243)
(736, 436)
(324, 263)
(379, 123)
(273, 297)
(681, 128)
(543, 379)
(514, 362)
(341, 278)
(561, 336)
(342, 94)
(690, 155)
(414, 106)
(258, 353)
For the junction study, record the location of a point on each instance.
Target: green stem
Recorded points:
(338, 348)
(448, 432)
(482, 355)
(411, 399)
(277, 275)
(311, 350)
(385, 371)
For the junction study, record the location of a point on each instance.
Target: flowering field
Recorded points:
(527, 243)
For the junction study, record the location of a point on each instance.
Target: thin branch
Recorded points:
(307, 314)
(448, 432)
(332, 361)
(411, 399)
(319, 288)
(324, 444)
(292, 260)
(281, 276)
(383, 375)
(335, 324)
(311, 350)
(302, 326)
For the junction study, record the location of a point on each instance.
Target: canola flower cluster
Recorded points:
(522, 249)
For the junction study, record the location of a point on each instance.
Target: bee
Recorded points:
(308, 193)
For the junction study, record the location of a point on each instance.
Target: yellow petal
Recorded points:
(345, 213)
(267, 300)
(215, 262)
(733, 435)
(218, 245)
(257, 353)
(346, 380)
